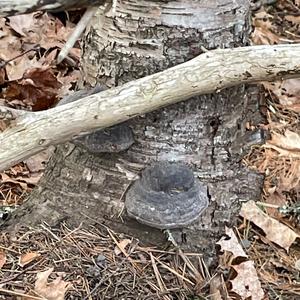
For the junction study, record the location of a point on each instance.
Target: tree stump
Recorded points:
(207, 133)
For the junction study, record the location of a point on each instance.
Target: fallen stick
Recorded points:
(16, 7)
(80, 27)
(210, 72)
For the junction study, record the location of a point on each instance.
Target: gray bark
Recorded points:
(208, 132)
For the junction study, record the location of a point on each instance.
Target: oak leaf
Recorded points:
(54, 290)
(275, 231)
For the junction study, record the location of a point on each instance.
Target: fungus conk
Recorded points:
(166, 196)
(109, 140)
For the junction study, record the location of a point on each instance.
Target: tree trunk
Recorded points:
(208, 133)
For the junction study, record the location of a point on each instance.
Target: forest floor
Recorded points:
(260, 258)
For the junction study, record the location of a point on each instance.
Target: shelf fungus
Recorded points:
(114, 139)
(166, 196)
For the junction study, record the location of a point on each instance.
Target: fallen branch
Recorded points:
(80, 27)
(16, 7)
(208, 73)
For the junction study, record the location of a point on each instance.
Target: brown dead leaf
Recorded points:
(293, 19)
(38, 88)
(17, 169)
(2, 259)
(22, 23)
(287, 144)
(42, 29)
(10, 45)
(27, 258)
(67, 81)
(287, 92)
(246, 284)
(17, 68)
(122, 246)
(275, 198)
(33, 179)
(3, 29)
(48, 31)
(263, 33)
(55, 290)
(50, 57)
(37, 162)
(275, 231)
(283, 152)
(33, 80)
(291, 178)
(7, 179)
(216, 288)
(2, 75)
(232, 244)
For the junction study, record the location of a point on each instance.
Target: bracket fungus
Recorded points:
(166, 196)
(113, 139)
(109, 140)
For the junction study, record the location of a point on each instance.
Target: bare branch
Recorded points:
(80, 27)
(9, 114)
(15, 7)
(208, 73)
